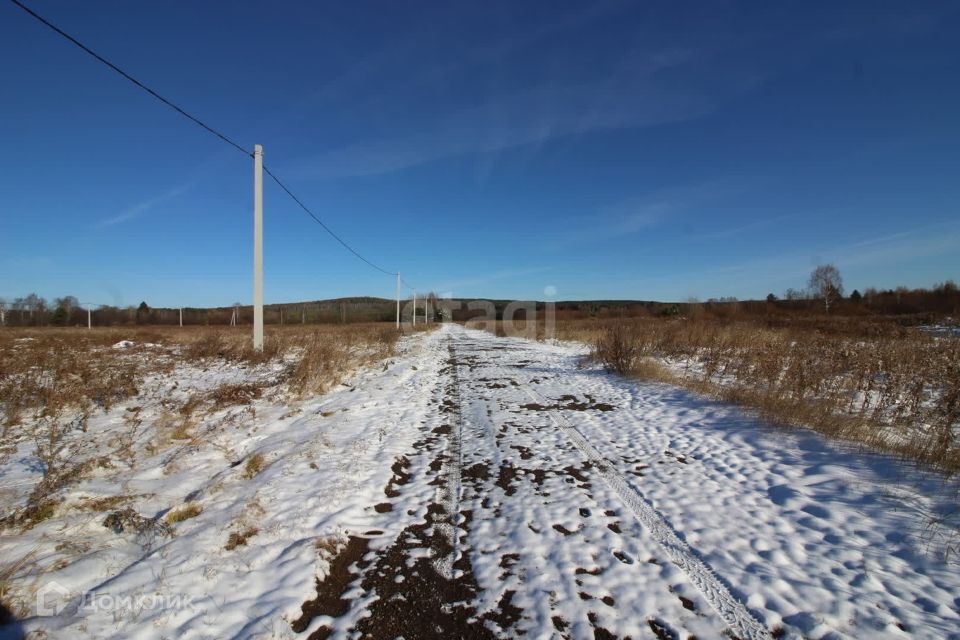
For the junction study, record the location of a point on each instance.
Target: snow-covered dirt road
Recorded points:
(550, 499)
(483, 487)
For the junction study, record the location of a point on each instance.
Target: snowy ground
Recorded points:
(484, 487)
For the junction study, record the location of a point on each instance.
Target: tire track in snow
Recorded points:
(451, 491)
(734, 613)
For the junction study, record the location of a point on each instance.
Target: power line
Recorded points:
(196, 120)
(130, 77)
(325, 227)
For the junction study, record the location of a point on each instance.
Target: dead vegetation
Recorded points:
(885, 386)
(46, 373)
(129, 521)
(235, 394)
(105, 503)
(184, 513)
(255, 464)
(53, 381)
(49, 373)
(240, 538)
(12, 603)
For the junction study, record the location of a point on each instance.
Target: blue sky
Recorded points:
(488, 149)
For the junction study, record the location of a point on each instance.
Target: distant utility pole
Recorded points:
(414, 307)
(181, 316)
(89, 319)
(258, 247)
(398, 299)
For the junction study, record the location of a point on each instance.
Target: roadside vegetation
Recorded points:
(878, 382)
(53, 381)
(887, 387)
(79, 406)
(881, 369)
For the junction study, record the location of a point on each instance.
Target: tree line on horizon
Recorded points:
(824, 293)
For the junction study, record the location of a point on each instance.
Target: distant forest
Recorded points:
(912, 305)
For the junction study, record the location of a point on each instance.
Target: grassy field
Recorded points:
(48, 370)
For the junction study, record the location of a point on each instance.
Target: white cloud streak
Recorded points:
(634, 96)
(140, 208)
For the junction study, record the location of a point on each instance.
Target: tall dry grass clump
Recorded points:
(326, 355)
(619, 348)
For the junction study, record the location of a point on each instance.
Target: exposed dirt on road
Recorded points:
(530, 509)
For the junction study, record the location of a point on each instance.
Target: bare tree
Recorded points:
(66, 302)
(33, 303)
(826, 284)
(792, 294)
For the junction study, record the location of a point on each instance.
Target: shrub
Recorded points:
(618, 349)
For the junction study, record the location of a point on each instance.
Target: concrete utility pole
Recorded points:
(398, 299)
(89, 319)
(258, 247)
(181, 316)
(414, 307)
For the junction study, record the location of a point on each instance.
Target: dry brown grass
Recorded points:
(36, 512)
(235, 394)
(50, 372)
(52, 381)
(255, 464)
(886, 387)
(328, 547)
(10, 574)
(46, 372)
(107, 503)
(184, 513)
(240, 538)
(325, 359)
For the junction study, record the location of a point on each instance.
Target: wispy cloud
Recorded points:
(366, 83)
(922, 242)
(733, 232)
(881, 254)
(636, 96)
(638, 213)
(928, 241)
(140, 208)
